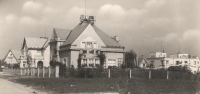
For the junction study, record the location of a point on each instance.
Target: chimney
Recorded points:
(82, 18)
(116, 38)
(91, 19)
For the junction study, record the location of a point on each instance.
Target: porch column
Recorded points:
(82, 61)
(87, 62)
(94, 62)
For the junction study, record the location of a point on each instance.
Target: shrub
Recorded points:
(180, 69)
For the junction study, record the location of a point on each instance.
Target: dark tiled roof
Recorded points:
(108, 41)
(75, 33)
(62, 33)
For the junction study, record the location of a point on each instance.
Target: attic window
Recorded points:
(10, 54)
(89, 44)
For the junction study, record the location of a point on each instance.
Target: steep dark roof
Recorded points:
(108, 41)
(141, 59)
(76, 32)
(62, 33)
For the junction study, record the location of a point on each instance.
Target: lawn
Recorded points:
(134, 85)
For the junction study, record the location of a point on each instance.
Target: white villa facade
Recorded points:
(160, 60)
(86, 42)
(36, 52)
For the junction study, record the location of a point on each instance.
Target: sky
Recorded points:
(142, 25)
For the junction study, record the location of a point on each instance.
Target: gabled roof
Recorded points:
(62, 33)
(141, 59)
(108, 41)
(76, 32)
(35, 42)
(16, 54)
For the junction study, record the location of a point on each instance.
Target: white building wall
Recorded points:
(114, 56)
(46, 57)
(10, 59)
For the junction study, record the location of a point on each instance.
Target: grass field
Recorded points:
(123, 85)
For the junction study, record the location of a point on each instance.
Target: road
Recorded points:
(8, 87)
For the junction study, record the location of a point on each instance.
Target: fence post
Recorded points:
(21, 71)
(109, 73)
(43, 72)
(38, 72)
(130, 73)
(28, 71)
(49, 71)
(167, 74)
(149, 74)
(57, 71)
(33, 72)
(25, 71)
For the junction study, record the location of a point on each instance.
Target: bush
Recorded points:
(180, 69)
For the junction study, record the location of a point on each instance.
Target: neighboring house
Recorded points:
(84, 44)
(36, 52)
(58, 37)
(160, 61)
(142, 62)
(12, 57)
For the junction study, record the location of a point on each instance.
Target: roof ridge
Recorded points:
(79, 27)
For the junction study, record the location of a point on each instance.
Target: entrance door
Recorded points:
(40, 64)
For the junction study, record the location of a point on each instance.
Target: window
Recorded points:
(24, 61)
(120, 60)
(167, 62)
(177, 62)
(10, 54)
(85, 51)
(185, 62)
(194, 62)
(89, 44)
(94, 45)
(144, 65)
(83, 45)
(162, 62)
(152, 64)
(91, 51)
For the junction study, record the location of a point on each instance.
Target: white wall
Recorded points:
(10, 59)
(112, 55)
(46, 57)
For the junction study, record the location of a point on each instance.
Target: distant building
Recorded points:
(36, 52)
(86, 42)
(160, 60)
(142, 62)
(12, 57)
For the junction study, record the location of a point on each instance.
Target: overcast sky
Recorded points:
(142, 25)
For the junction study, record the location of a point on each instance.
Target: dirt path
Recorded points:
(8, 87)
